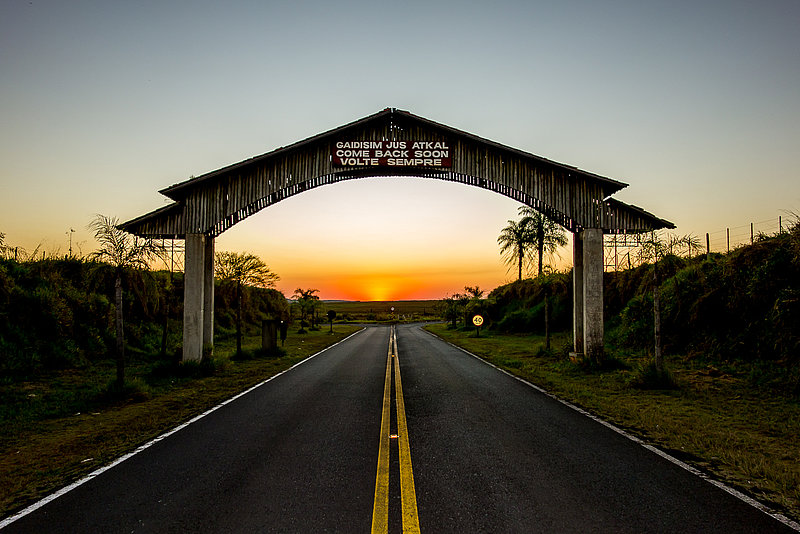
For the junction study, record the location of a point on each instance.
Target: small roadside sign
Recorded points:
(477, 320)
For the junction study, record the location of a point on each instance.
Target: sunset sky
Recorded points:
(695, 104)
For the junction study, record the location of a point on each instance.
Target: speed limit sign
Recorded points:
(477, 320)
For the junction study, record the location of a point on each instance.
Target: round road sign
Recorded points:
(477, 320)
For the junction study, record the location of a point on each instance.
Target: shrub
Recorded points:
(134, 390)
(519, 306)
(647, 376)
(636, 323)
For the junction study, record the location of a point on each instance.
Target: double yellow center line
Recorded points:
(408, 496)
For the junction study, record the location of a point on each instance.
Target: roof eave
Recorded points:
(174, 191)
(615, 185)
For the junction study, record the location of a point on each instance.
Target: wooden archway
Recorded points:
(393, 143)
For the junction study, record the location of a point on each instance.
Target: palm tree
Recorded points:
(548, 235)
(516, 242)
(655, 248)
(243, 269)
(124, 252)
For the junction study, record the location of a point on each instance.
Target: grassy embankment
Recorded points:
(715, 420)
(59, 426)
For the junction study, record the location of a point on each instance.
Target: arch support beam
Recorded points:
(592, 245)
(577, 294)
(208, 297)
(198, 297)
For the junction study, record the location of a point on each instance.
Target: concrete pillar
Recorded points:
(193, 300)
(593, 293)
(577, 294)
(208, 297)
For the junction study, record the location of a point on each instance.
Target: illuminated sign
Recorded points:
(392, 154)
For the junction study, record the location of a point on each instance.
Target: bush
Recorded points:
(646, 376)
(519, 306)
(275, 352)
(57, 314)
(131, 391)
(636, 323)
(743, 306)
(521, 320)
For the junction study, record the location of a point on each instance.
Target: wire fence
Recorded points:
(736, 236)
(622, 251)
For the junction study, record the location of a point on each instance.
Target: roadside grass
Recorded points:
(714, 420)
(58, 428)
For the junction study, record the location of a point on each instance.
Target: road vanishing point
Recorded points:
(394, 430)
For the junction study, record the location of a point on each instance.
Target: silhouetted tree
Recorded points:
(547, 234)
(448, 308)
(547, 237)
(243, 269)
(655, 248)
(516, 242)
(125, 252)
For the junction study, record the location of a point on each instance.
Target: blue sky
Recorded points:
(694, 104)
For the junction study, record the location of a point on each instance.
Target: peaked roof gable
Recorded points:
(390, 115)
(217, 200)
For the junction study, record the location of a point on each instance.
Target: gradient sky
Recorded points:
(695, 104)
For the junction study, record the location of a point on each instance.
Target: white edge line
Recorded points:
(99, 471)
(736, 493)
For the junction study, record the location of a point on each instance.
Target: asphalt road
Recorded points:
(489, 454)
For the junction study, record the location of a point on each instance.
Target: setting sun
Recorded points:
(375, 287)
(379, 291)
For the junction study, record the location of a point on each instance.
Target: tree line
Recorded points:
(72, 311)
(742, 305)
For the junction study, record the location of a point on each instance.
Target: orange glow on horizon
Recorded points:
(376, 287)
(392, 286)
